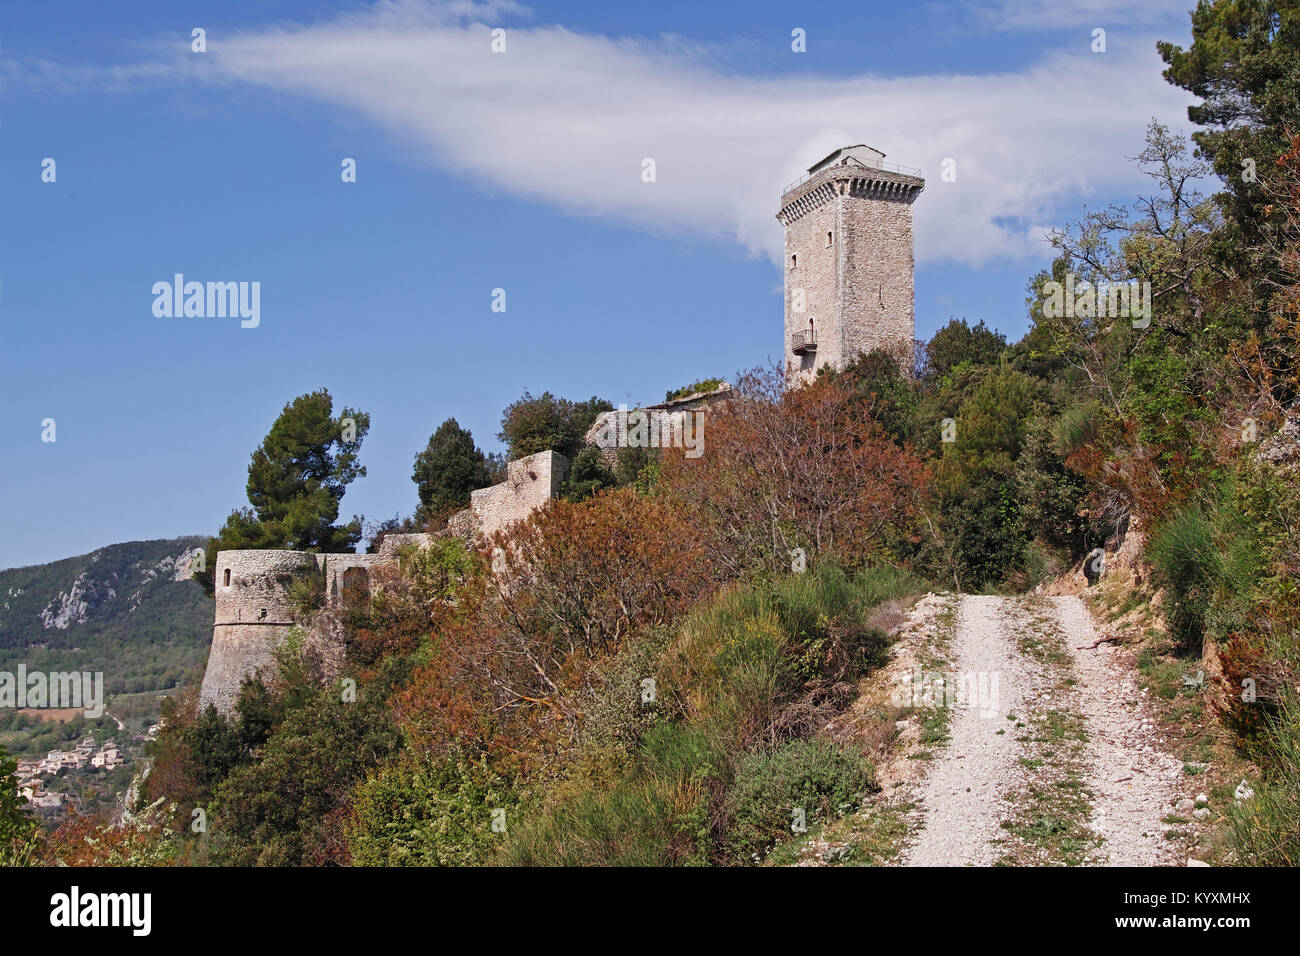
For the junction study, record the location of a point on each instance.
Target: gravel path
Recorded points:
(962, 793)
(1132, 777)
(962, 796)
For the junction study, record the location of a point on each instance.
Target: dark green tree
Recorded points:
(1244, 64)
(296, 480)
(214, 750)
(888, 395)
(976, 478)
(959, 342)
(448, 470)
(530, 424)
(281, 810)
(588, 475)
(16, 822)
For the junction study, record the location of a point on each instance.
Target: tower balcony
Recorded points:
(804, 342)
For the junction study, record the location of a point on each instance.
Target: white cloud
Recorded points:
(566, 118)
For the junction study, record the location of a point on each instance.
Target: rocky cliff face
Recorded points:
(128, 610)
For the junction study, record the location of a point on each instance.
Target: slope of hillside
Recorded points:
(128, 610)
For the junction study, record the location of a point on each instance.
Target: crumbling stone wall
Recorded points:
(254, 615)
(392, 543)
(529, 484)
(254, 610)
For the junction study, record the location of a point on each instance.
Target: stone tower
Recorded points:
(848, 261)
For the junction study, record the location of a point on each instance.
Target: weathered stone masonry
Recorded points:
(254, 612)
(848, 261)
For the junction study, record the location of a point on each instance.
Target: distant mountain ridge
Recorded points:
(129, 610)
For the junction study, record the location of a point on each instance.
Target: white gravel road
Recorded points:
(962, 796)
(1133, 778)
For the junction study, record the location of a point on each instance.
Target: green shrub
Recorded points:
(428, 813)
(703, 385)
(656, 813)
(753, 666)
(738, 662)
(284, 809)
(588, 474)
(17, 824)
(816, 776)
(1186, 560)
(617, 715)
(1265, 829)
(1240, 566)
(306, 590)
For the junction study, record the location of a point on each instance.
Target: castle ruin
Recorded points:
(255, 609)
(848, 290)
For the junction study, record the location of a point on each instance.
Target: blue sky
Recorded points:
(479, 170)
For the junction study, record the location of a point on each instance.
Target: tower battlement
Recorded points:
(849, 261)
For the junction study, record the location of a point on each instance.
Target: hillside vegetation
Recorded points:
(645, 671)
(128, 610)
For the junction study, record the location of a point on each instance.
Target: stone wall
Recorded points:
(253, 615)
(238, 651)
(254, 611)
(812, 273)
(530, 483)
(392, 543)
(877, 297)
(667, 431)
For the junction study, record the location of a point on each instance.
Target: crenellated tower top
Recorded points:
(848, 260)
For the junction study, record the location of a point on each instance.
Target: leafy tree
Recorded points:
(886, 394)
(296, 479)
(16, 822)
(260, 710)
(1244, 64)
(976, 479)
(531, 425)
(214, 749)
(957, 343)
(1051, 495)
(449, 469)
(588, 475)
(802, 468)
(1163, 387)
(637, 466)
(284, 810)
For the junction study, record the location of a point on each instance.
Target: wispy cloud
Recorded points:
(567, 118)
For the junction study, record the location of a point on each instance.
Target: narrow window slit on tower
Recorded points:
(227, 580)
(828, 239)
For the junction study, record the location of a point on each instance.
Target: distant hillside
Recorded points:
(128, 610)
